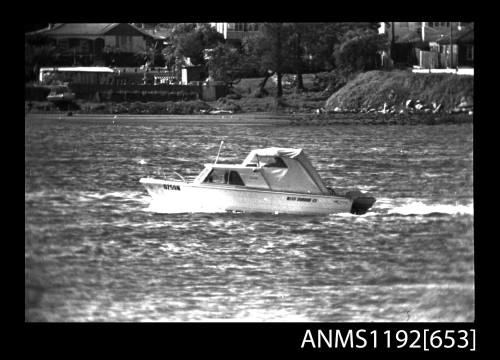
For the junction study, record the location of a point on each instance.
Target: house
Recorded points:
(417, 43)
(88, 43)
(235, 32)
(398, 31)
(463, 48)
(405, 38)
(427, 31)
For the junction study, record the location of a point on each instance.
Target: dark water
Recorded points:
(93, 250)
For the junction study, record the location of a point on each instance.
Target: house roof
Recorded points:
(412, 36)
(62, 29)
(160, 34)
(84, 29)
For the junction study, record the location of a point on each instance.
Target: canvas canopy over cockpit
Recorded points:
(287, 169)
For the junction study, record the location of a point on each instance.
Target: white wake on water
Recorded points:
(419, 208)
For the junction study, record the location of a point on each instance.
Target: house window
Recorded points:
(469, 52)
(239, 26)
(124, 42)
(85, 46)
(231, 26)
(253, 27)
(64, 44)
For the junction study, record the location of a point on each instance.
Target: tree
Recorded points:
(151, 54)
(297, 40)
(38, 52)
(268, 48)
(308, 43)
(360, 51)
(324, 39)
(189, 40)
(280, 48)
(225, 63)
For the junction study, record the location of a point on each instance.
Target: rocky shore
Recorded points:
(378, 119)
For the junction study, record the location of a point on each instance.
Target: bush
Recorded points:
(44, 106)
(281, 103)
(330, 82)
(225, 104)
(37, 93)
(119, 108)
(233, 96)
(98, 108)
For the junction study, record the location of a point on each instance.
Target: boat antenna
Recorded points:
(220, 147)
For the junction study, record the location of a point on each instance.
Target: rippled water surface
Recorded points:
(94, 251)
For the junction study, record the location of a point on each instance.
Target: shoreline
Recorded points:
(271, 118)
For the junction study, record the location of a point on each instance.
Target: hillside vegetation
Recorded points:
(374, 88)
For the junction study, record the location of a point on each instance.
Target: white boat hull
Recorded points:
(176, 196)
(61, 97)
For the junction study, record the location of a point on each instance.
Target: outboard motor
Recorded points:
(360, 202)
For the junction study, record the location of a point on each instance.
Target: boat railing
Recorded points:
(180, 176)
(168, 175)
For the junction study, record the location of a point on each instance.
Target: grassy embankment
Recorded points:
(363, 97)
(372, 89)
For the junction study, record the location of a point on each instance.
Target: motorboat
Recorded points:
(271, 180)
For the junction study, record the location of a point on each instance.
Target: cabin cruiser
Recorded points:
(60, 94)
(270, 180)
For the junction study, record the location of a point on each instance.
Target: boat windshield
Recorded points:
(224, 176)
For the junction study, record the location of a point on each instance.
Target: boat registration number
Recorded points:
(171, 187)
(294, 198)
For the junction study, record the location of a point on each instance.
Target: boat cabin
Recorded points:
(60, 93)
(277, 169)
(59, 89)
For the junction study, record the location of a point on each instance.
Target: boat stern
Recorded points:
(361, 202)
